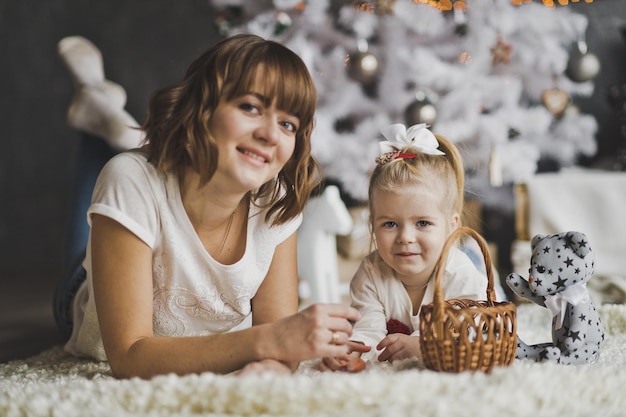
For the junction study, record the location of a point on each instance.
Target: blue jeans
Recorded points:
(92, 154)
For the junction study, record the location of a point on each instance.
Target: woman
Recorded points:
(196, 230)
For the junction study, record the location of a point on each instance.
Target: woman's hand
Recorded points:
(398, 346)
(349, 363)
(264, 366)
(320, 330)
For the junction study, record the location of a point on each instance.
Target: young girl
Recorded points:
(416, 202)
(196, 230)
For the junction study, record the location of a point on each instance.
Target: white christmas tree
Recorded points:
(496, 78)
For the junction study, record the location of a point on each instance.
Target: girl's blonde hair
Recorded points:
(178, 116)
(432, 170)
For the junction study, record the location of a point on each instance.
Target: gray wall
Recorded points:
(146, 44)
(606, 39)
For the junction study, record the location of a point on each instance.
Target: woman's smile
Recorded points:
(254, 138)
(254, 155)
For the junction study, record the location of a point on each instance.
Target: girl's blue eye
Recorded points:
(423, 223)
(389, 225)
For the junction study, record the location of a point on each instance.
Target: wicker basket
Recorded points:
(466, 335)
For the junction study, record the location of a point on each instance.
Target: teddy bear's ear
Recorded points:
(578, 242)
(535, 240)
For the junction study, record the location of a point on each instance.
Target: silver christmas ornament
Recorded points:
(363, 67)
(582, 65)
(420, 111)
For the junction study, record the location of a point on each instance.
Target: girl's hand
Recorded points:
(320, 330)
(349, 363)
(399, 346)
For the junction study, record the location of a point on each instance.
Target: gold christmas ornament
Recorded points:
(555, 100)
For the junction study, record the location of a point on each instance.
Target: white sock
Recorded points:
(98, 105)
(114, 92)
(95, 110)
(83, 59)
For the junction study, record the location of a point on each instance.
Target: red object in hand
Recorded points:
(356, 365)
(396, 326)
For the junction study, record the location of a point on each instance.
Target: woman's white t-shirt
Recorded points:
(193, 295)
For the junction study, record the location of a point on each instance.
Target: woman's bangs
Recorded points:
(293, 90)
(277, 77)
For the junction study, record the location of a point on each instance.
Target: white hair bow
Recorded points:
(417, 137)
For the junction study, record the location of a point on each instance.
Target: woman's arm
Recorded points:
(277, 297)
(122, 280)
(310, 333)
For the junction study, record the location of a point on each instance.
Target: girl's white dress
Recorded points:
(380, 296)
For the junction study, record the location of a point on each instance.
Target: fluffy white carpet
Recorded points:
(54, 384)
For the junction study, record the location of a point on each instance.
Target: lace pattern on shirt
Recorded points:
(175, 308)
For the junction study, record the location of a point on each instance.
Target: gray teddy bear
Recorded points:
(560, 267)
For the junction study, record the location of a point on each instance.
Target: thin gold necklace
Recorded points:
(228, 226)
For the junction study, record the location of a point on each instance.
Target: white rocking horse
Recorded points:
(325, 216)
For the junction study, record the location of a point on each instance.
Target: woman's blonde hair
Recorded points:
(432, 170)
(178, 116)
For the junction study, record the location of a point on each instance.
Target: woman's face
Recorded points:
(254, 139)
(410, 229)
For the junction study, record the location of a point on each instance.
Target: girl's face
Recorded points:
(254, 139)
(410, 229)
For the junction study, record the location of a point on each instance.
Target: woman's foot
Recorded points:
(83, 59)
(96, 110)
(97, 107)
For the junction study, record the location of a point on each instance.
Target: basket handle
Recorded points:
(438, 301)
